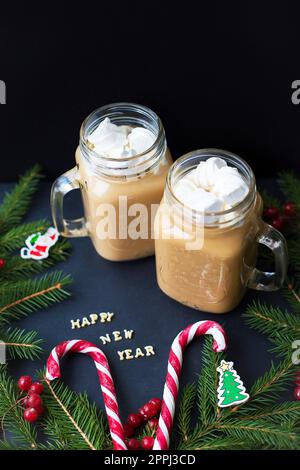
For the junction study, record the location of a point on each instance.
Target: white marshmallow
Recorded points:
(204, 201)
(226, 188)
(108, 138)
(196, 198)
(230, 186)
(141, 139)
(205, 173)
(120, 141)
(185, 188)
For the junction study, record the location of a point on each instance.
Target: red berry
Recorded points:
(153, 423)
(297, 379)
(297, 393)
(34, 401)
(40, 410)
(156, 402)
(24, 383)
(2, 263)
(271, 213)
(278, 223)
(149, 410)
(143, 414)
(128, 430)
(36, 387)
(30, 415)
(289, 209)
(147, 443)
(135, 420)
(133, 444)
(25, 402)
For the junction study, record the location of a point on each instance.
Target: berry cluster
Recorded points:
(297, 388)
(280, 218)
(32, 402)
(147, 415)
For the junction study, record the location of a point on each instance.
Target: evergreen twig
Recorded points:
(24, 434)
(15, 238)
(24, 297)
(21, 344)
(16, 202)
(17, 268)
(71, 421)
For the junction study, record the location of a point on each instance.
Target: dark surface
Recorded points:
(218, 73)
(130, 291)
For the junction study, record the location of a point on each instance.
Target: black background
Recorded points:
(218, 74)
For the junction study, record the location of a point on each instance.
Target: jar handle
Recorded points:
(61, 186)
(275, 241)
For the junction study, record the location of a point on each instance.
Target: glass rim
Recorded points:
(244, 204)
(126, 105)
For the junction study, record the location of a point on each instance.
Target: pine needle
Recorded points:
(21, 344)
(24, 433)
(15, 238)
(17, 268)
(71, 420)
(16, 203)
(24, 297)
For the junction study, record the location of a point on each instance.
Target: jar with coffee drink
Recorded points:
(121, 165)
(207, 230)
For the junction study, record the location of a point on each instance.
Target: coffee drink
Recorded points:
(121, 167)
(207, 229)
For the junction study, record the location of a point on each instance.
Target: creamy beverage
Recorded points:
(207, 229)
(121, 167)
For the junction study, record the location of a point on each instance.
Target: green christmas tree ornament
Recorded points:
(231, 390)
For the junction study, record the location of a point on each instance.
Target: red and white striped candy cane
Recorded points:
(105, 378)
(174, 369)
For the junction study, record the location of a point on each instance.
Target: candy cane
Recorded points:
(105, 378)
(174, 369)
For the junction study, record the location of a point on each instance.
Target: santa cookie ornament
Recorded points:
(38, 245)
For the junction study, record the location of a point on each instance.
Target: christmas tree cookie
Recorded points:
(231, 390)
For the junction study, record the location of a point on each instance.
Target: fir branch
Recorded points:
(15, 203)
(71, 421)
(21, 344)
(15, 238)
(263, 432)
(269, 200)
(207, 385)
(268, 388)
(282, 328)
(22, 298)
(7, 445)
(17, 268)
(222, 443)
(294, 255)
(184, 414)
(24, 433)
(289, 184)
(285, 411)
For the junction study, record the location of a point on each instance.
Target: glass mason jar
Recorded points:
(206, 260)
(117, 193)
